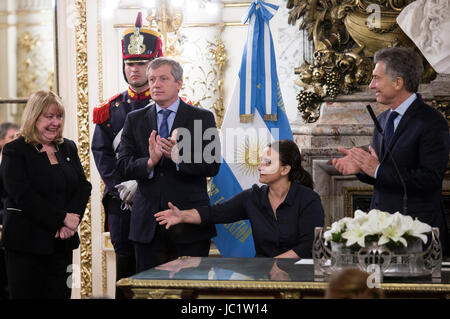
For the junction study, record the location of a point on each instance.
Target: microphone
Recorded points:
(380, 130)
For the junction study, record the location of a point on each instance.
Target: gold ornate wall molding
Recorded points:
(83, 142)
(219, 60)
(100, 99)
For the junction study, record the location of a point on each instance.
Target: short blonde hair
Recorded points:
(38, 103)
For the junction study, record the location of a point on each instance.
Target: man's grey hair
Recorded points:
(5, 127)
(176, 70)
(402, 62)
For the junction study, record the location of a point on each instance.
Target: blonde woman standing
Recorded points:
(47, 193)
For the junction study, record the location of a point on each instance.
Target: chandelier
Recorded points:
(167, 16)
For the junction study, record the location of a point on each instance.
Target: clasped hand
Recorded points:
(158, 146)
(71, 222)
(356, 160)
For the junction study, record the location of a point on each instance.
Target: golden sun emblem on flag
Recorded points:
(248, 156)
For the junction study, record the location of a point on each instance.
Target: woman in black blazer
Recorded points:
(283, 213)
(47, 193)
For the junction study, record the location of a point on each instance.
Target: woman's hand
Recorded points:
(71, 221)
(64, 233)
(169, 217)
(278, 274)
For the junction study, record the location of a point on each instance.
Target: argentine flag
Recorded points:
(254, 118)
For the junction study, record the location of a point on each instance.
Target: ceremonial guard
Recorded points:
(139, 46)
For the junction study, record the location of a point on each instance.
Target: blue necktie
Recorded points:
(164, 129)
(389, 129)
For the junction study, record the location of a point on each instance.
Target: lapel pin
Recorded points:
(68, 159)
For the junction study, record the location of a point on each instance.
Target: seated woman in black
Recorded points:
(283, 213)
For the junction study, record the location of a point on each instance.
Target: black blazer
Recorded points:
(31, 217)
(185, 187)
(420, 147)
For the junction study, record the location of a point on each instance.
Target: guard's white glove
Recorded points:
(127, 190)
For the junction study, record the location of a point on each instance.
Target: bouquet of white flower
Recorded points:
(378, 226)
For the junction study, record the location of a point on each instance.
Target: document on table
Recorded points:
(311, 262)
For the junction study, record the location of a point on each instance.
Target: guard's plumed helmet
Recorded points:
(140, 44)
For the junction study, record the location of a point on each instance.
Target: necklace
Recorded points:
(40, 148)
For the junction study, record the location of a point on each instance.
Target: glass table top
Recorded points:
(254, 269)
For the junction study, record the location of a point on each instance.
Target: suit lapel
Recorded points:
(404, 121)
(181, 117)
(382, 119)
(150, 122)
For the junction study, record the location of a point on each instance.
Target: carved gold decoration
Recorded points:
(237, 4)
(202, 83)
(100, 99)
(161, 293)
(365, 31)
(346, 33)
(31, 69)
(219, 56)
(83, 142)
(290, 295)
(51, 81)
(174, 45)
(27, 42)
(443, 106)
(214, 284)
(27, 74)
(285, 289)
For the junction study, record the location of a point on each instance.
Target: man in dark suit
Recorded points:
(169, 147)
(109, 118)
(416, 134)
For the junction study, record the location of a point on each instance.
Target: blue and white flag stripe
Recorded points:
(257, 86)
(243, 142)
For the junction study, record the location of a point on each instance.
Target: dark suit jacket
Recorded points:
(420, 147)
(185, 187)
(32, 217)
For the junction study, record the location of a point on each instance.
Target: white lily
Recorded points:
(354, 234)
(361, 217)
(394, 230)
(376, 222)
(419, 229)
(390, 227)
(327, 236)
(336, 227)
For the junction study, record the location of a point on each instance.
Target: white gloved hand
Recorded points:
(127, 190)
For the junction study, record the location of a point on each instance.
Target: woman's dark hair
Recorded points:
(290, 155)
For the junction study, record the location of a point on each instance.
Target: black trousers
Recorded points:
(119, 229)
(32, 276)
(3, 280)
(162, 249)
